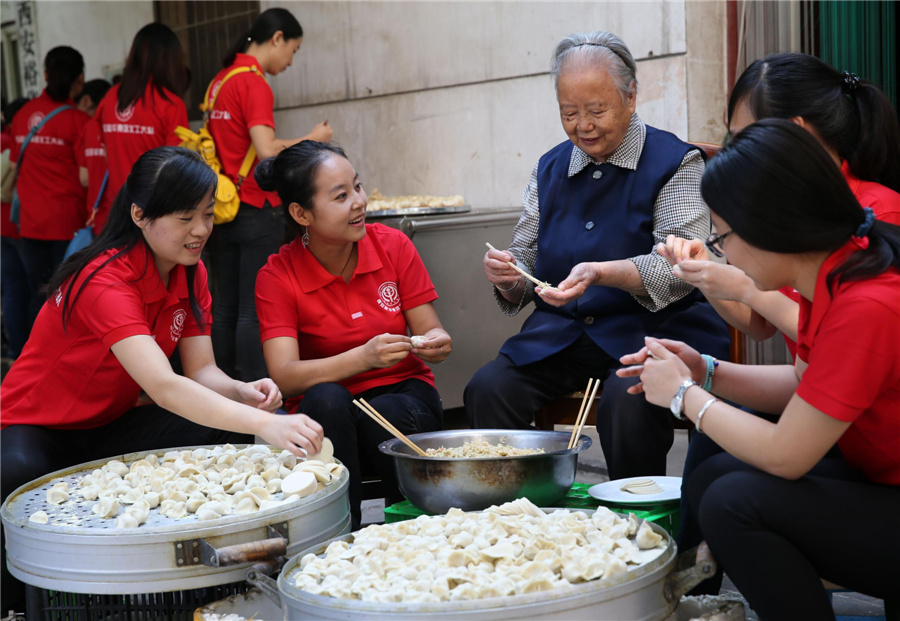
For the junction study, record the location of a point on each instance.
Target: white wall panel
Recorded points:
(479, 140)
(354, 50)
(101, 31)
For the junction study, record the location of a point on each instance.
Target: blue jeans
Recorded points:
(40, 257)
(16, 295)
(238, 250)
(412, 406)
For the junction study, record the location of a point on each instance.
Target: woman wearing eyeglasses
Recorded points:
(854, 122)
(776, 514)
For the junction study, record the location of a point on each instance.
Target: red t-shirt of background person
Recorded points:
(297, 298)
(50, 194)
(86, 384)
(146, 124)
(246, 101)
(8, 228)
(91, 154)
(849, 341)
(883, 201)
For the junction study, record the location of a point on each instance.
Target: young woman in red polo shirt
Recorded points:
(50, 193)
(243, 116)
(116, 312)
(142, 111)
(337, 307)
(854, 122)
(776, 514)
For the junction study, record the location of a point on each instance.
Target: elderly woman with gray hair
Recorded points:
(595, 208)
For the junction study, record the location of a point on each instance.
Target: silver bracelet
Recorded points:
(511, 288)
(702, 412)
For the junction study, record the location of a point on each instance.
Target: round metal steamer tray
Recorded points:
(92, 555)
(646, 593)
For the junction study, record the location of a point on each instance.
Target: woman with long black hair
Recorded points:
(242, 122)
(142, 111)
(777, 512)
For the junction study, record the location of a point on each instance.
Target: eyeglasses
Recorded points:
(716, 243)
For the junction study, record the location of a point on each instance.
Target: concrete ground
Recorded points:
(592, 470)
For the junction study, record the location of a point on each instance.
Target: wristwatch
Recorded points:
(678, 399)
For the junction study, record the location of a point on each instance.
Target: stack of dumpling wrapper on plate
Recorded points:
(206, 483)
(508, 550)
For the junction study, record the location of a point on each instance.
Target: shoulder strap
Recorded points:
(99, 196)
(35, 130)
(207, 105)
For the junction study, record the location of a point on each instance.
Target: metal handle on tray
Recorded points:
(201, 552)
(264, 583)
(686, 576)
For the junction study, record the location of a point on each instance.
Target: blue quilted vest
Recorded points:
(606, 217)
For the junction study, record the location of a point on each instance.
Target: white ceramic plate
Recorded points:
(611, 492)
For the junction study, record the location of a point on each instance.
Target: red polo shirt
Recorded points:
(69, 379)
(7, 227)
(146, 124)
(849, 340)
(883, 201)
(50, 194)
(91, 154)
(296, 297)
(246, 101)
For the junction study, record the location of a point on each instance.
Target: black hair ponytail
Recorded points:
(264, 28)
(779, 190)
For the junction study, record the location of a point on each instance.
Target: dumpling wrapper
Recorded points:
(418, 341)
(300, 483)
(326, 455)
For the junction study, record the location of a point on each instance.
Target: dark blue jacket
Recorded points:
(609, 218)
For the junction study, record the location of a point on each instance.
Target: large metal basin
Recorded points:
(437, 484)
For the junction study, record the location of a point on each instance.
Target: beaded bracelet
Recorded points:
(711, 364)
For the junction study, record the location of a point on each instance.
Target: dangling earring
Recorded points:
(305, 238)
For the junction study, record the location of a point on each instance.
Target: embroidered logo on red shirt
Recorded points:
(389, 297)
(34, 119)
(177, 324)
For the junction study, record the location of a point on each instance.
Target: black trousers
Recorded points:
(635, 435)
(777, 538)
(412, 406)
(30, 451)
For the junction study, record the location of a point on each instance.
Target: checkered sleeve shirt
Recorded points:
(679, 210)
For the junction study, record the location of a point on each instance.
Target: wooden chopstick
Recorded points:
(381, 420)
(539, 283)
(586, 410)
(580, 412)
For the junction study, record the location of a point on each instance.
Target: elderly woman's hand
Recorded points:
(573, 287)
(496, 267)
(690, 364)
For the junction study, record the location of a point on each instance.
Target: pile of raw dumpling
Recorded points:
(206, 483)
(508, 550)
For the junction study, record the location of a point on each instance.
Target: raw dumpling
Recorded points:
(646, 538)
(126, 520)
(57, 495)
(107, 507)
(418, 341)
(39, 517)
